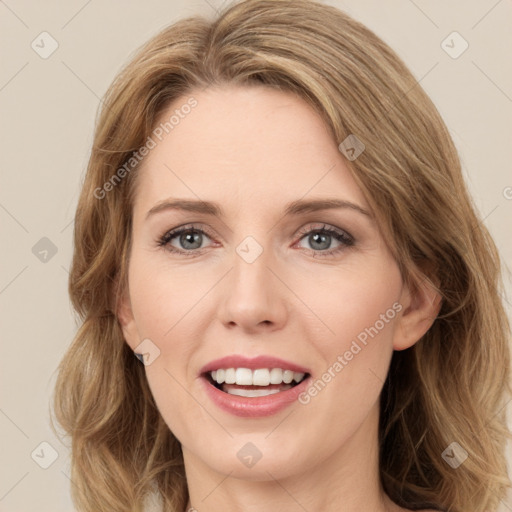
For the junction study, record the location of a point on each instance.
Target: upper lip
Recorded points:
(263, 361)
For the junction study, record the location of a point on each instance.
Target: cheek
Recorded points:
(174, 402)
(165, 304)
(360, 307)
(163, 297)
(354, 301)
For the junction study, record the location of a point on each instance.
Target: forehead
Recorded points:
(243, 144)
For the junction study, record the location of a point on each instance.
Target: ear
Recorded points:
(421, 304)
(127, 321)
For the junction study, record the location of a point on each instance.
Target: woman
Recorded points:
(275, 223)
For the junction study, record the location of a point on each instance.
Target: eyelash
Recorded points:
(343, 237)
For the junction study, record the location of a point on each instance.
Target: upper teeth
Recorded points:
(259, 377)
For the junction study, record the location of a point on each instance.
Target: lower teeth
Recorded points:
(255, 392)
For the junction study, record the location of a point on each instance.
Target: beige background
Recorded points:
(48, 108)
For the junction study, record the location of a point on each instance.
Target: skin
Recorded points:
(253, 150)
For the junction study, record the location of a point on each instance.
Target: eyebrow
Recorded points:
(298, 207)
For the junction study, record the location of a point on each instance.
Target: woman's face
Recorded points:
(260, 278)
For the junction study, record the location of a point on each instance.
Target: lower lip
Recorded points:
(254, 407)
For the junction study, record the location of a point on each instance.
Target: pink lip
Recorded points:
(236, 361)
(254, 407)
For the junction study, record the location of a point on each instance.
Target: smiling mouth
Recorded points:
(271, 382)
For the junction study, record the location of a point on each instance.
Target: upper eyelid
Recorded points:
(172, 233)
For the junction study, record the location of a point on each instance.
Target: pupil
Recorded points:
(317, 236)
(192, 238)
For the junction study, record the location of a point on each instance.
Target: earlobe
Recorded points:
(421, 305)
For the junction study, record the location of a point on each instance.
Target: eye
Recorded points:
(189, 239)
(320, 239)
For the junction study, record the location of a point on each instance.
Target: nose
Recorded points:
(253, 297)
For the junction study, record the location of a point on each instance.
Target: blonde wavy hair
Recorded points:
(451, 386)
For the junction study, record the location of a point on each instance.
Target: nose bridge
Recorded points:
(251, 276)
(250, 265)
(252, 296)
